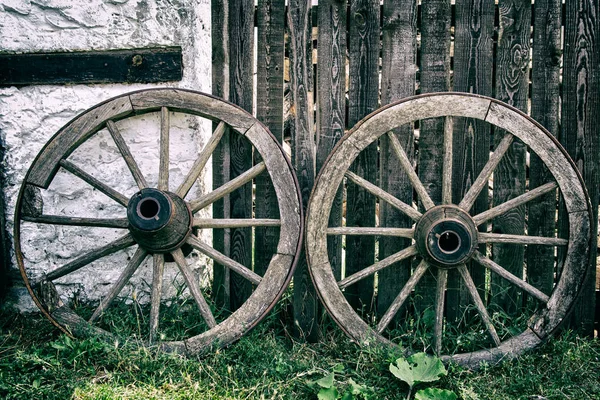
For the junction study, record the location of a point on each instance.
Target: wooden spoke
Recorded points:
(191, 283)
(87, 258)
(447, 162)
(224, 260)
(227, 188)
(127, 273)
(203, 223)
(352, 230)
(157, 282)
(521, 239)
(464, 272)
(386, 262)
(163, 169)
(442, 282)
(513, 203)
(402, 296)
(126, 154)
(200, 162)
(78, 221)
(382, 194)
(520, 283)
(410, 172)
(482, 180)
(110, 192)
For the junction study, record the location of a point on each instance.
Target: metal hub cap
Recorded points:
(446, 236)
(159, 221)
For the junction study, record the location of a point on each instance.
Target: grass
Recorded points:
(38, 362)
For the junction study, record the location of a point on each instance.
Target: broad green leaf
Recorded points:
(329, 393)
(356, 388)
(326, 381)
(338, 368)
(435, 394)
(347, 396)
(418, 368)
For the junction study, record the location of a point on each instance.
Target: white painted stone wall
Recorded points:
(29, 116)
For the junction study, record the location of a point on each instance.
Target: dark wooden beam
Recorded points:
(112, 66)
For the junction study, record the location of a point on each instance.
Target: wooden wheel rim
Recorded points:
(368, 130)
(276, 163)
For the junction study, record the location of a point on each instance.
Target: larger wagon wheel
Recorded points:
(160, 222)
(444, 237)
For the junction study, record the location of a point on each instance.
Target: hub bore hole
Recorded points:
(148, 208)
(449, 242)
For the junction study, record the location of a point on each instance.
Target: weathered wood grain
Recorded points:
(472, 73)
(95, 183)
(163, 162)
(72, 135)
(440, 297)
(91, 256)
(202, 159)
(303, 153)
(378, 266)
(117, 287)
(78, 221)
(126, 154)
(269, 110)
(220, 158)
(148, 65)
(363, 58)
(410, 285)
(204, 223)
(241, 64)
(435, 77)
(545, 108)
(331, 102)
(194, 288)
(158, 268)
(222, 259)
(351, 230)
(512, 73)
(580, 123)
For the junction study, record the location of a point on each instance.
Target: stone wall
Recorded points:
(30, 115)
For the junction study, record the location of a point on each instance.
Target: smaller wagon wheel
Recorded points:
(444, 238)
(147, 230)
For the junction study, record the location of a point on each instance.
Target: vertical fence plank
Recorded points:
(303, 152)
(398, 76)
(363, 98)
(580, 129)
(220, 158)
(473, 70)
(331, 103)
(545, 108)
(512, 82)
(241, 62)
(435, 77)
(269, 110)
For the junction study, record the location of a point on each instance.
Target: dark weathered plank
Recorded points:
(362, 99)
(435, 77)
(580, 127)
(512, 73)
(545, 108)
(398, 75)
(269, 110)
(331, 103)
(303, 145)
(241, 63)
(114, 66)
(473, 70)
(220, 159)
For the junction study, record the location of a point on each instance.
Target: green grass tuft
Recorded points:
(36, 362)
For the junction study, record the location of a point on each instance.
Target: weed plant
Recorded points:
(37, 362)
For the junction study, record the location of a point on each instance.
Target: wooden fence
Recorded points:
(311, 71)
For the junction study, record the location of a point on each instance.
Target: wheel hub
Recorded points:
(159, 221)
(446, 236)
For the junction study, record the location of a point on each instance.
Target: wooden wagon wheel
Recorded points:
(154, 223)
(444, 236)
